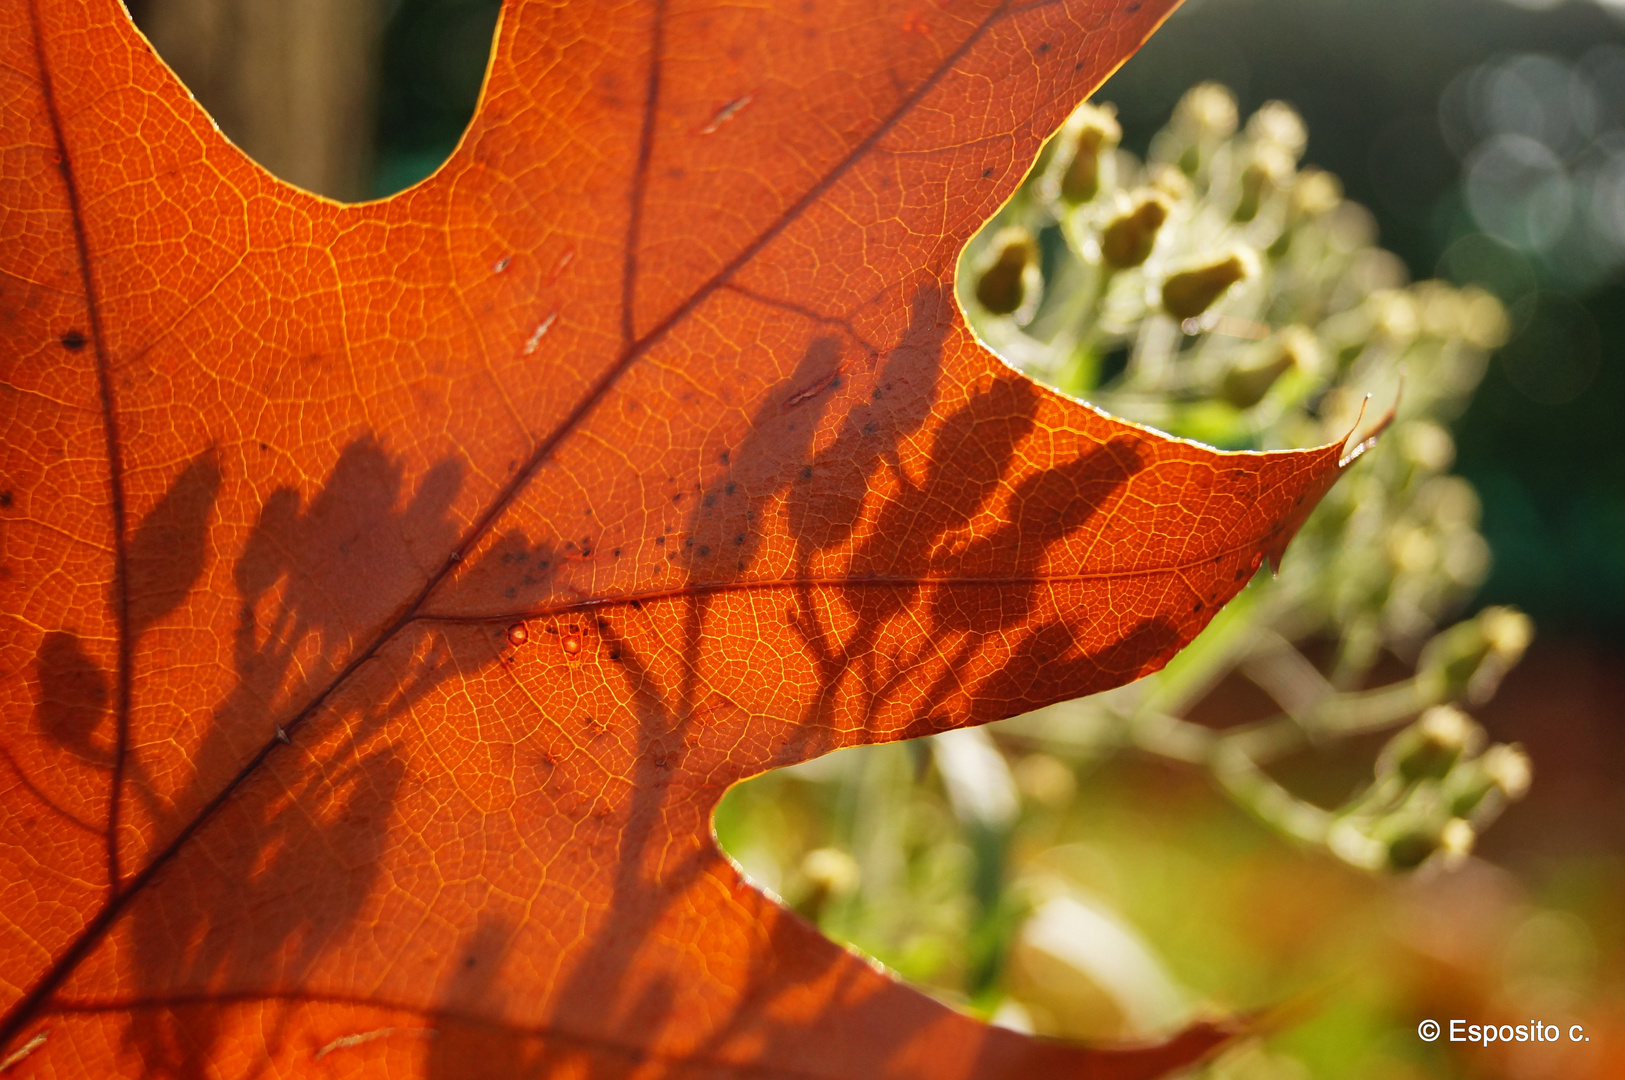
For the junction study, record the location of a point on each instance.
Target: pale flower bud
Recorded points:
(1456, 842)
(1172, 183)
(1452, 842)
(1207, 111)
(1249, 380)
(1393, 316)
(1270, 168)
(1508, 767)
(1429, 748)
(831, 870)
(1003, 284)
(1129, 237)
(1484, 322)
(1508, 632)
(1315, 192)
(1092, 132)
(1502, 770)
(1441, 308)
(1469, 659)
(1428, 445)
(1187, 294)
(1278, 124)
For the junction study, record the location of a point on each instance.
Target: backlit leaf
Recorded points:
(389, 592)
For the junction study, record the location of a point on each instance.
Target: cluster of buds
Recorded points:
(1467, 661)
(1435, 791)
(1221, 290)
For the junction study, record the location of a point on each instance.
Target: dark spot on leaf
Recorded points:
(5, 500)
(73, 340)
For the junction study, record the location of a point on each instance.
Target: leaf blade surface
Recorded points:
(664, 366)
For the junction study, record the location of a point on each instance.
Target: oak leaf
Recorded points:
(390, 591)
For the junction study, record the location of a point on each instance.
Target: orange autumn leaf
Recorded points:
(391, 591)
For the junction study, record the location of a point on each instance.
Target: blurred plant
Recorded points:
(1221, 292)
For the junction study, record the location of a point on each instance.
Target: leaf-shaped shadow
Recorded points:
(1044, 508)
(164, 561)
(724, 532)
(305, 852)
(1052, 651)
(168, 548)
(827, 498)
(74, 695)
(970, 455)
(84, 709)
(826, 503)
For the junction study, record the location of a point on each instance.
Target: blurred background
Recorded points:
(1069, 873)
